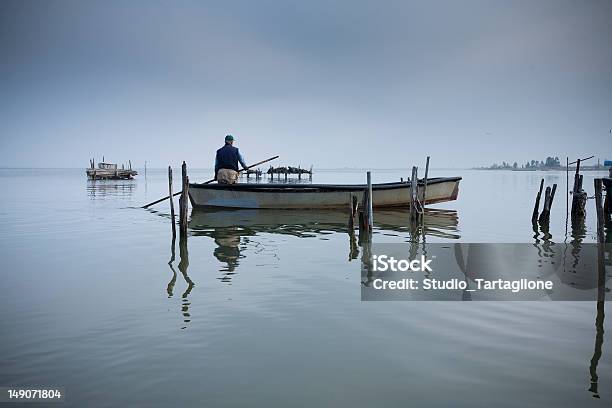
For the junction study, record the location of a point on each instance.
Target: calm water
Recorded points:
(264, 310)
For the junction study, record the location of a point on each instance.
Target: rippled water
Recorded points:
(264, 309)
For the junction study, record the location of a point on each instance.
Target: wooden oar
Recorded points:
(209, 181)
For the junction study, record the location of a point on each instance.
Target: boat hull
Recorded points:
(287, 196)
(110, 174)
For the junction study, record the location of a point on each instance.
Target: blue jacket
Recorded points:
(227, 158)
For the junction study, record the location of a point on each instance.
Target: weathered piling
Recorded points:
(600, 212)
(536, 207)
(423, 201)
(579, 196)
(545, 214)
(545, 206)
(184, 201)
(366, 219)
(552, 194)
(172, 216)
(414, 194)
(370, 205)
(601, 267)
(549, 196)
(607, 208)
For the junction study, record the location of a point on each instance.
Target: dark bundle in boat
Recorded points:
(288, 170)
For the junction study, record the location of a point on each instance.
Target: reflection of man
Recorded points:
(228, 250)
(226, 162)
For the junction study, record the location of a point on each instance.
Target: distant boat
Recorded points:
(314, 196)
(109, 171)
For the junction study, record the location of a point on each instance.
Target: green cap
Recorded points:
(229, 138)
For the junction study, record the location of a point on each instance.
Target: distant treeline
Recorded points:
(550, 163)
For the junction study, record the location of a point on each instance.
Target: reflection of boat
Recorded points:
(317, 195)
(300, 223)
(117, 188)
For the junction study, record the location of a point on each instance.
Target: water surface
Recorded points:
(264, 309)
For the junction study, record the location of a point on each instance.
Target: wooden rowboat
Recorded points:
(314, 196)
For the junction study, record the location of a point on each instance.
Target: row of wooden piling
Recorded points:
(549, 196)
(603, 211)
(365, 214)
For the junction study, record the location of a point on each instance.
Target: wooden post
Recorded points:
(544, 216)
(364, 225)
(145, 169)
(171, 202)
(566, 192)
(552, 196)
(370, 204)
(425, 182)
(579, 195)
(413, 193)
(536, 207)
(601, 267)
(184, 201)
(130, 162)
(576, 189)
(600, 213)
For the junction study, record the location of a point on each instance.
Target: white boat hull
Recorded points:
(287, 196)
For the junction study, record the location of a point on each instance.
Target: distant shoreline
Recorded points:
(571, 168)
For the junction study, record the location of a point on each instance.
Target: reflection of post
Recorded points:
(353, 247)
(601, 280)
(601, 293)
(599, 333)
(183, 265)
(366, 264)
(184, 262)
(170, 287)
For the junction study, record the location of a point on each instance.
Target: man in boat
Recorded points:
(226, 162)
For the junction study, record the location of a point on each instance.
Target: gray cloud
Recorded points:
(377, 84)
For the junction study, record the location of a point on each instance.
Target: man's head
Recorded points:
(229, 139)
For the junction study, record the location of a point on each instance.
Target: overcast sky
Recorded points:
(329, 83)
